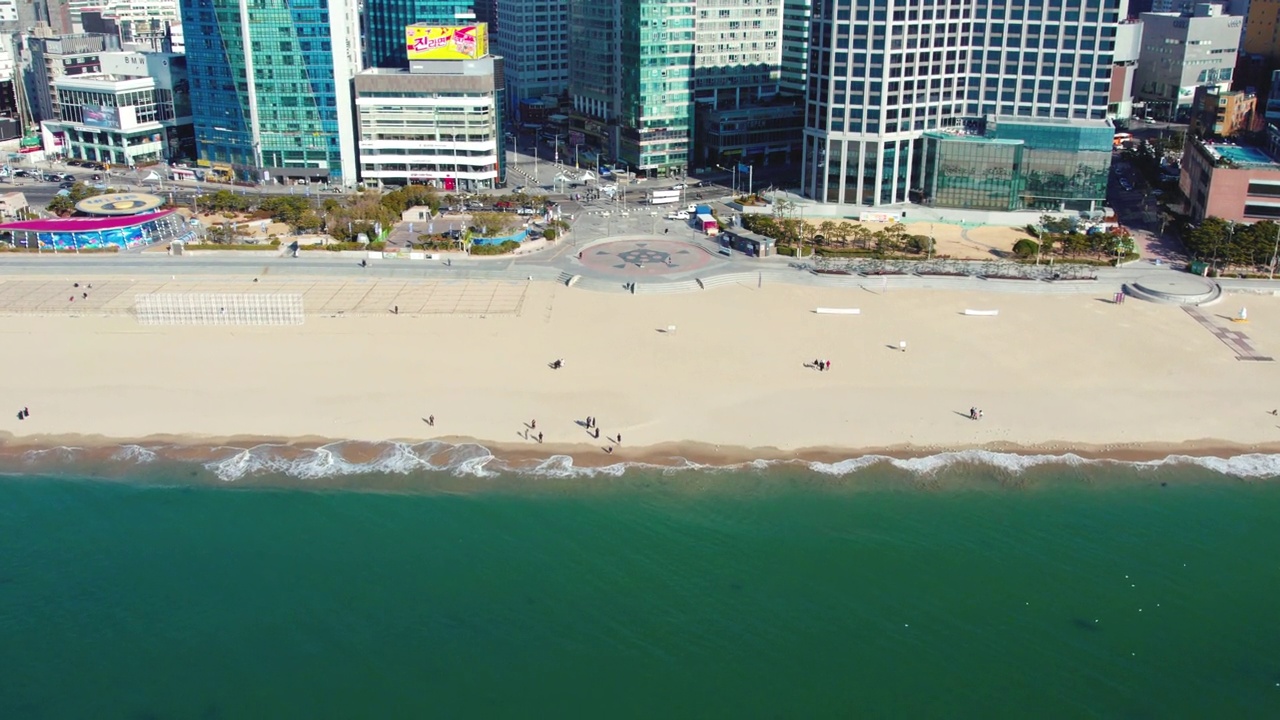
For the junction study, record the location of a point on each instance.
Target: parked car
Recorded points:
(525, 211)
(678, 187)
(678, 215)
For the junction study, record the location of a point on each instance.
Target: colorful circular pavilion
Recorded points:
(121, 220)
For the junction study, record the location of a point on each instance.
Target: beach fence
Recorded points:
(218, 308)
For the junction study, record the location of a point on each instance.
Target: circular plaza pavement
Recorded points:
(645, 257)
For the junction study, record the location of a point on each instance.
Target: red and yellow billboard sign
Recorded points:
(447, 42)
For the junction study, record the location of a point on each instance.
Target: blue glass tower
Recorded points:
(271, 87)
(385, 21)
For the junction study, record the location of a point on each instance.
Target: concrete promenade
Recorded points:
(624, 249)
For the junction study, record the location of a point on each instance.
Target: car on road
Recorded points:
(678, 187)
(1126, 184)
(525, 211)
(66, 184)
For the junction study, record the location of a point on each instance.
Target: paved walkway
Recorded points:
(1231, 337)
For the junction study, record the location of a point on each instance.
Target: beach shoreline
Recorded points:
(717, 379)
(683, 455)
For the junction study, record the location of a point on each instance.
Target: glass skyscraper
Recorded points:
(271, 87)
(884, 72)
(385, 21)
(631, 70)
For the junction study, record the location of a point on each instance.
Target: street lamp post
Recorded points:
(733, 170)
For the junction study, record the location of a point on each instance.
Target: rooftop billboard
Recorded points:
(447, 42)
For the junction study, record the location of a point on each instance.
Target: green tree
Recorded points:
(827, 229)
(843, 233)
(1025, 248)
(286, 208)
(861, 236)
(308, 222)
(494, 224)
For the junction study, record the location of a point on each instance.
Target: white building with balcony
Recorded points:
(438, 123)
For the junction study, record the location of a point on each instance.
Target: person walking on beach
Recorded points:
(619, 438)
(533, 424)
(431, 420)
(979, 414)
(828, 365)
(539, 437)
(973, 413)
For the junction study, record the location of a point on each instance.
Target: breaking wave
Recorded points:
(347, 459)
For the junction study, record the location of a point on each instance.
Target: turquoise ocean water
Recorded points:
(1065, 591)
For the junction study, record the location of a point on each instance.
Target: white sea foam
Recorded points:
(136, 453)
(473, 460)
(62, 453)
(1251, 465)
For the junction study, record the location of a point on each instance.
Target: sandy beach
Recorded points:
(1052, 373)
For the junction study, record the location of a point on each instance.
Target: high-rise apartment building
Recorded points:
(385, 21)
(882, 73)
(271, 87)
(794, 72)
(737, 52)
(533, 69)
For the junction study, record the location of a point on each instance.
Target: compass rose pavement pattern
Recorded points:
(645, 257)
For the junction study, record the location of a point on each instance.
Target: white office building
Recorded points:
(137, 111)
(438, 123)
(884, 73)
(1181, 52)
